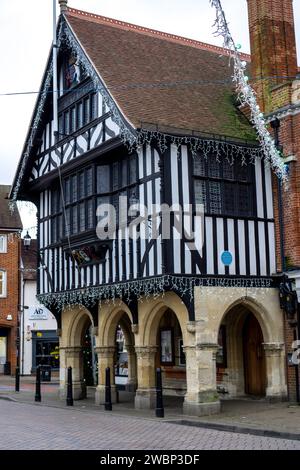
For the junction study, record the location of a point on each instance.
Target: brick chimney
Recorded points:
(63, 5)
(273, 47)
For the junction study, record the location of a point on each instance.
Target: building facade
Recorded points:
(39, 343)
(189, 272)
(10, 229)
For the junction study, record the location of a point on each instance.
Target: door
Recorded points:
(254, 358)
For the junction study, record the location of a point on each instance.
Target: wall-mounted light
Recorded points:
(9, 317)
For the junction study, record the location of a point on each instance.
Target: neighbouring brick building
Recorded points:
(276, 78)
(10, 228)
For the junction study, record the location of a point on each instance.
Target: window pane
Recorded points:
(60, 226)
(133, 170)
(124, 173)
(243, 172)
(115, 176)
(100, 201)
(89, 182)
(73, 120)
(103, 179)
(67, 123)
(245, 200)
(60, 126)
(82, 217)
(54, 230)
(214, 167)
(81, 185)
(200, 193)
(68, 222)
(75, 219)
(74, 189)
(79, 116)
(215, 197)
(2, 283)
(94, 99)
(228, 170)
(90, 213)
(3, 244)
(87, 110)
(229, 198)
(67, 191)
(199, 166)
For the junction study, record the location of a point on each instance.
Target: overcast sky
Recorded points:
(25, 39)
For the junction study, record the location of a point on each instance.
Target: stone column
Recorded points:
(275, 369)
(201, 398)
(74, 360)
(132, 374)
(145, 394)
(106, 358)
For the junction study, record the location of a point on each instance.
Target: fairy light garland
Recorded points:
(144, 289)
(246, 94)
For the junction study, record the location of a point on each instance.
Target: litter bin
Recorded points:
(46, 373)
(7, 368)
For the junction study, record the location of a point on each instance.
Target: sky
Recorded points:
(25, 40)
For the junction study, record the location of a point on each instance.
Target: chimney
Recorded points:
(273, 46)
(63, 5)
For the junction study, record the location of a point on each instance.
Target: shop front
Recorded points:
(45, 349)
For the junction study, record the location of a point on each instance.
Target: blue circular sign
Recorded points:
(226, 258)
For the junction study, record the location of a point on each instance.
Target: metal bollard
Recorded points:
(17, 387)
(70, 401)
(108, 404)
(38, 397)
(159, 411)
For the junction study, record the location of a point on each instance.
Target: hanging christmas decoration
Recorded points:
(147, 288)
(247, 95)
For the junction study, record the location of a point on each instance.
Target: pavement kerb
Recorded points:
(185, 421)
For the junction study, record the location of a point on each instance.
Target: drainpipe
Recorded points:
(275, 124)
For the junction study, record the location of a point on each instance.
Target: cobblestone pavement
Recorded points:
(25, 426)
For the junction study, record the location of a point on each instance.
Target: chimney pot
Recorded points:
(63, 5)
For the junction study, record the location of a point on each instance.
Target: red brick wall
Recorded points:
(274, 68)
(10, 262)
(273, 45)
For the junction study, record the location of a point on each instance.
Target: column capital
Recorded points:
(105, 351)
(145, 351)
(273, 348)
(213, 347)
(191, 327)
(73, 351)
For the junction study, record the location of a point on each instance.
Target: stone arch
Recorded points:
(110, 318)
(81, 318)
(235, 317)
(262, 315)
(154, 313)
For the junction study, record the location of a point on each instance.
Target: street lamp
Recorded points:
(27, 240)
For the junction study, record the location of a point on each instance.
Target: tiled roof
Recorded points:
(29, 261)
(162, 79)
(8, 220)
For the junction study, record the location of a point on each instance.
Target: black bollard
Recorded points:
(108, 404)
(70, 401)
(159, 411)
(17, 388)
(38, 397)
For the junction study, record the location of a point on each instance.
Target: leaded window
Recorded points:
(224, 188)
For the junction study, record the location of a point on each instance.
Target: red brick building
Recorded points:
(276, 78)
(10, 228)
